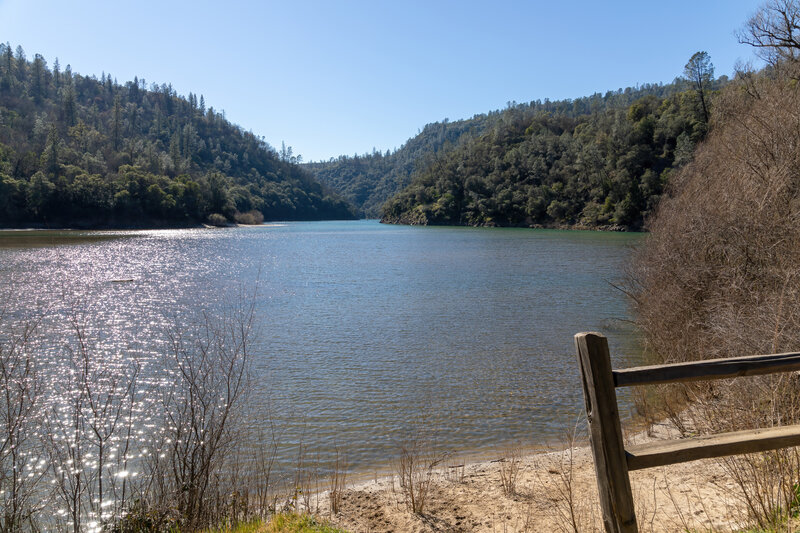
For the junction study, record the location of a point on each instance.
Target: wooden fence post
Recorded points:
(605, 434)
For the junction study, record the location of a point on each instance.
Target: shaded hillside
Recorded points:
(596, 161)
(81, 151)
(369, 180)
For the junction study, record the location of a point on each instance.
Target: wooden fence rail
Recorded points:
(613, 461)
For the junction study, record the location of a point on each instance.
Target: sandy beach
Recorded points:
(554, 491)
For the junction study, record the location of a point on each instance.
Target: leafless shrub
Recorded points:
(566, 509)
(116, 461)
(216, 219)
(415, 468)
(260, 481)
(768, 485)
(774, 31)
(647, 507)
(569, 512)
(719, 275)
(88, 431)
(304, 483)
(312, 485)
(202, 410)
(455, 470)
(719, 270)
(338, 480)
(527, 520)
(252, 217)
(509, 469)
(20, 404)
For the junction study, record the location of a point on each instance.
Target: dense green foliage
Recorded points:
(596, 161)
(370, 179)
(81, 151)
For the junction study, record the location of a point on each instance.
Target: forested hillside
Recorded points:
(369, 180)
(599, 161)
(83, 151)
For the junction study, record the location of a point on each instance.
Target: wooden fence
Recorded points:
(613, 461)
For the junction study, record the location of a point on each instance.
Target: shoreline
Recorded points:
(84, 226)
(465, 458)
(613, 228)
(554, 488)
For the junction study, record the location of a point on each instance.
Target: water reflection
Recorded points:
(367, 334)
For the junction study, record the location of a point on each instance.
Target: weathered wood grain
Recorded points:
(661, 453)
(751, 365)
(605, 434)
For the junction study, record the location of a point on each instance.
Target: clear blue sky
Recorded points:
(342, 77)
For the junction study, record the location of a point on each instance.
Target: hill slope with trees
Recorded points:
(369, 180)
(75, 150)
(599, 161)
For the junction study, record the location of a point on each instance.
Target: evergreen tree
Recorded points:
(117, 123)
(38, 78)
(8, 66)
(56, 74)
(51, 153)
(68, 105)
(699, 72)
(22, 64)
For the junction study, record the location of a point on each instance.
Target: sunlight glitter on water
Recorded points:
(367, 333)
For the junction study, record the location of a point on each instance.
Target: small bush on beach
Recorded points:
(415, 467)
(509, 469)
(251, 218)
(215, 219)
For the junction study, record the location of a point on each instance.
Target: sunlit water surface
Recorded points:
(367, 334)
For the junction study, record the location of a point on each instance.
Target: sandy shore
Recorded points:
(553, 490)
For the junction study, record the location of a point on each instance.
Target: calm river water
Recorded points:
(367, 333)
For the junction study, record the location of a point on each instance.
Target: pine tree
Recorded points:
(68, 105)
(56, 74)
(52, 151)
(699, 71)
(133, 90)
(38, 73)
(8, 66)
(22, 64)
(117, 123)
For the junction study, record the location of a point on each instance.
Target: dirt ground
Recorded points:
(553, 491)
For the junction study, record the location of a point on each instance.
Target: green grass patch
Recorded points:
(282, 523)
(253, 526)
(300, 523)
